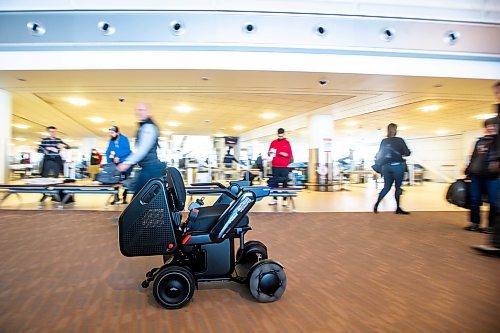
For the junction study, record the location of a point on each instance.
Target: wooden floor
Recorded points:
(62, 271)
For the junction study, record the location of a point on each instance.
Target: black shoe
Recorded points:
(472, 227)
(124, 202)
(375, 208)
(487, 249)
(402, 212)
(487, 230)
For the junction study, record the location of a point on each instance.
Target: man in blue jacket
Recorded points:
(118, 147)
(118, 150)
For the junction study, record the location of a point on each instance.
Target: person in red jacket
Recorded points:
(281, 153)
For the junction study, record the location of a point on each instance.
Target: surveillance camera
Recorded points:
(106, 28)
(121, 99)
(323, 82)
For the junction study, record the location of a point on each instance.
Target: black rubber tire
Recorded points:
(250, 253)
(174, 287)
(267, 281)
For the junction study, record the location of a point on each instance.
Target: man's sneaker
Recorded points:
(487, 249)
(285, 203)
(487, 230)
(273, 202)
(472, 227)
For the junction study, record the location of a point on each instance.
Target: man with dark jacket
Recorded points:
(145, 149)
(484, 177)
(51, 148)
(493, 248)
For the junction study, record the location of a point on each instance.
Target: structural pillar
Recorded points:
(5, 134)
(321, 131)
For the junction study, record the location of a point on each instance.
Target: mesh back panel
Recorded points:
(147, 229)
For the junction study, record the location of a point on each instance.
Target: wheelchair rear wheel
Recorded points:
(174, 287)
(267, 281)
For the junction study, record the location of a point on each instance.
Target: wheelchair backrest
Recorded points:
(147, 227)
(232, 216)
(176, 188)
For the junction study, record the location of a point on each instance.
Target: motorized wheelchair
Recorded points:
(201, 248)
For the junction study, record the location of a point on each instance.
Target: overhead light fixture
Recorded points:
(183, 108)
(430, 108)
(172, 123)
(96, 120)
(20, 139)
(442, 132)
(167, 132)
(269, 115)
(238, 127)
(351, 123)
(36, 142)
(77, 101)
(104, 129)
(21, 126)
(485, 116)
(219, 135)
(43, 133)
(403, 128)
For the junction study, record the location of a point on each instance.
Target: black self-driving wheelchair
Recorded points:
(201, 248)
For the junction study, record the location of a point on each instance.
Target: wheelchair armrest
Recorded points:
(212, 191)
(209, 184)
(260, 192)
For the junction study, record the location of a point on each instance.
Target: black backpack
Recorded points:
(109, 175)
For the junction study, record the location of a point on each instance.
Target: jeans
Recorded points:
(148, 172)
(51, 166)
(282, 174)
(480, 185)
(393, 173)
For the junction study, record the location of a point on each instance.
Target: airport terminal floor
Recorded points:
(348, 270)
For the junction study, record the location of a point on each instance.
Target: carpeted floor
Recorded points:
(347, 272)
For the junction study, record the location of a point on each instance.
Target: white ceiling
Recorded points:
(239, 98)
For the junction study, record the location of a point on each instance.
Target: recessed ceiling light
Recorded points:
(269, 115)
(167, 132)
(77, 101)
(20, 139)
(485, 116)
(218, 135)
(36, 142)
(172, 123)
(238, 127)
(96, 120)
(183, 108)
(104, 129)
(430, 108)
(21, 126)
(442, 132)
(43, 133)
(403, 128)
(351, 123)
